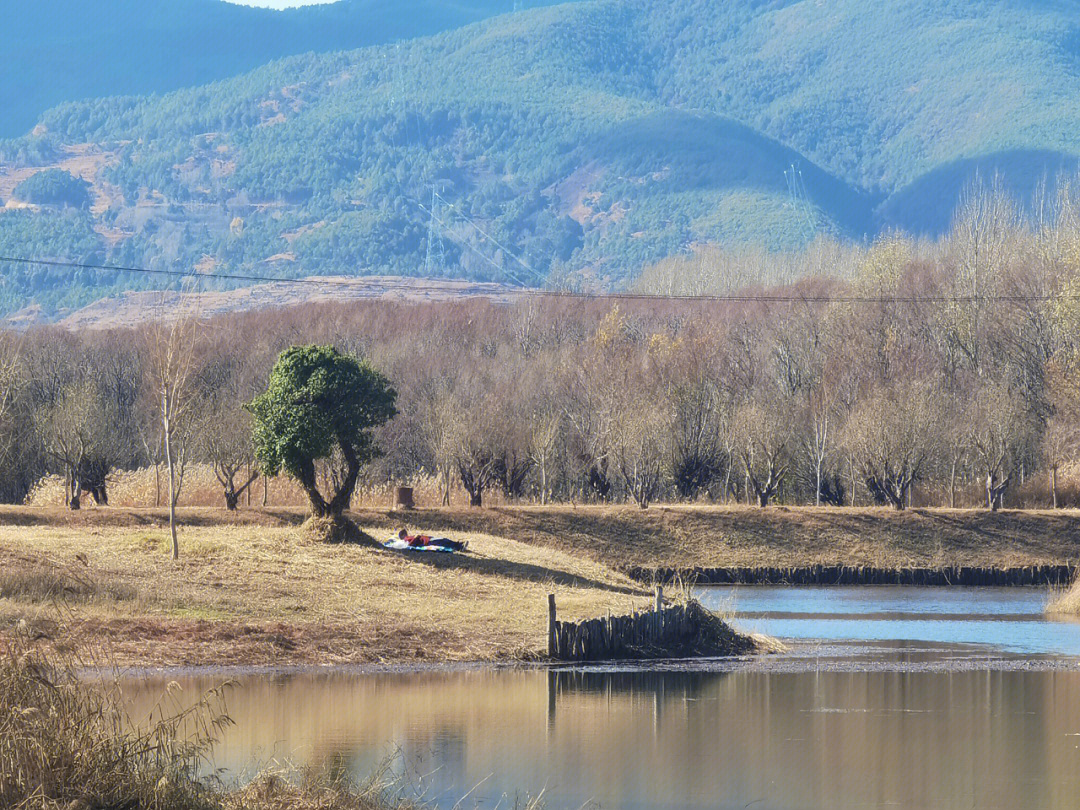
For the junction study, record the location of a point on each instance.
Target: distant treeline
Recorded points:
(936, 372)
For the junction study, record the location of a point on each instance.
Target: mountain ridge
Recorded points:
(586, 140)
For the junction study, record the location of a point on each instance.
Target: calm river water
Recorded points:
(890, 698)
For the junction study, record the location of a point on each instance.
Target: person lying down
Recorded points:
(422, 542)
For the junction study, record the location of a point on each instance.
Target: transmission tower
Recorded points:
(799, 200)
(436, 250)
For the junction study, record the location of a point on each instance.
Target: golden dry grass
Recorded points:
(251, 588)
(245, 592)
(699, 536)
(1065, 601)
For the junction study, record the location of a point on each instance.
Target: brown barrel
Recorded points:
(403, 498)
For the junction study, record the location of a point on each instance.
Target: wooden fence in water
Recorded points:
(661, 628)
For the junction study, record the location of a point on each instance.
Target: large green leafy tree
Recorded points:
(318, 400)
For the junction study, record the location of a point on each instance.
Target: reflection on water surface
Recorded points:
(802, 739)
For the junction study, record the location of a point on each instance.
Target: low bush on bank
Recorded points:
(65, 745)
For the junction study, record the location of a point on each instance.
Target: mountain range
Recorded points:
(574, 142)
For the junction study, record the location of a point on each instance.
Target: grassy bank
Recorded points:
(254, 589)
(739, 536)
(250, 588)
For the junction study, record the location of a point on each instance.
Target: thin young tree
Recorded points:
(173, 348)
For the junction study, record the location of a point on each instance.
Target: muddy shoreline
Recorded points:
(805, 656)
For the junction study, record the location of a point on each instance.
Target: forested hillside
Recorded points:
(578, 143)
(66, 50)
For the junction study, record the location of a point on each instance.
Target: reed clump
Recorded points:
(66, 745)
(1065, 600)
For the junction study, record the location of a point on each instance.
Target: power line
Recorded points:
(497, 244)
(435, 199)
(487, 259)
(788, 298)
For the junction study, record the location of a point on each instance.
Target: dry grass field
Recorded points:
(252, 588)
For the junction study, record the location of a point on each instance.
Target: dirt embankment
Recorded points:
(250, 588)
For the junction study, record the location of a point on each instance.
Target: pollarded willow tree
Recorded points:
(319, 402)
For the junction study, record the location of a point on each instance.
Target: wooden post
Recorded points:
(659, 598)
(552, 635)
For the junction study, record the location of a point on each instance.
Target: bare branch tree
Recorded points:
(173, 345)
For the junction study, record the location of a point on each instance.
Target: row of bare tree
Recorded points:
(937, 367)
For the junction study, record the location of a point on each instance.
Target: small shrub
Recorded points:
(1065, 600)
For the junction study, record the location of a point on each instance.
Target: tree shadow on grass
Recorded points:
(526, 572)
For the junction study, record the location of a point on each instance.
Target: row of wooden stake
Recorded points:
(621, 636)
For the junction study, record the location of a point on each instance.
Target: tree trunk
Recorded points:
(172, 491)
(952, 485)
(319, 507)
(343, 497)
(157, 484)
(266, 491)
(1053, 485)
(231, 500)
(763, 499)
(543, 485)
(476, 498)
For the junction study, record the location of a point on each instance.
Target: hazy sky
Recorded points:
(279, 3)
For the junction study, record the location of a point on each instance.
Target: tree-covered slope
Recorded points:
(589, 138)
(66, 50)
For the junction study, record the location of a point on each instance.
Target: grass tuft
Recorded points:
(1065, 601)
(64, 743)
